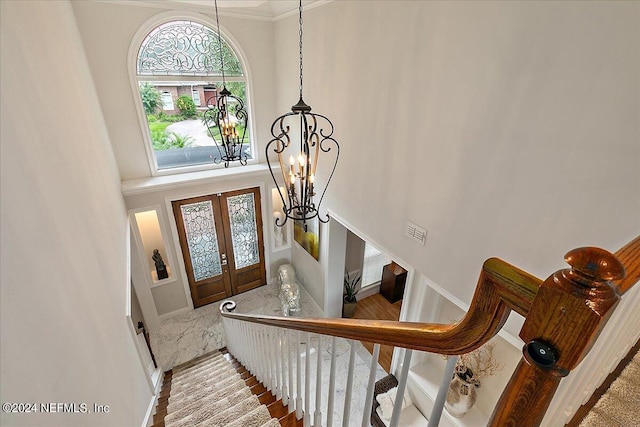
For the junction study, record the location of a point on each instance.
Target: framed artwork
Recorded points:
(307, 234)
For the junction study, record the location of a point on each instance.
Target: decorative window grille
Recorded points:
(183, 58)
(244, 230)
(202, 239)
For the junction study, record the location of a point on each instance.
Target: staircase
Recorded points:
(280, 360)
(216, 390)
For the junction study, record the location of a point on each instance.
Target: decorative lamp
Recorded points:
(298, 163)
(228, 116)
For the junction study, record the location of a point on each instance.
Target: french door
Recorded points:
(222, 245)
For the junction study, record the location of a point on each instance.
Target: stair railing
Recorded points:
(563, 317)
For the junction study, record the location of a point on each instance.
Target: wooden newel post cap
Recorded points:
(573, 305)
(590, 265)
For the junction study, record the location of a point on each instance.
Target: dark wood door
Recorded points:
(222, 244)
(198, 221)
(243, 230)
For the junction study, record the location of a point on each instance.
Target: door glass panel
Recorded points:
(244, 232)
(200, 230)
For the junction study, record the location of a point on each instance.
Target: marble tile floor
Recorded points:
(191, 334)
(185, 336)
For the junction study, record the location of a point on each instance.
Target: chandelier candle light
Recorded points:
(227, 115)
(316, 137)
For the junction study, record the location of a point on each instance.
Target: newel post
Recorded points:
(567, 315)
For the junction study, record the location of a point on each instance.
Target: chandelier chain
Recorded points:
(220, 43)
(300, 34)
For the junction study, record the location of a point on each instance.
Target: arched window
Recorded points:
(178, 75)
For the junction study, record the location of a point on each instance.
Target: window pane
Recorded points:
(244, 231)
(185, 48)
(373, 263)
(167, 101)
(180, 136)
(200, 230)
(195, 94)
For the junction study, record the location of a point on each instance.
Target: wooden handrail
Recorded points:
(629, 256)
(501, 288)
(564, 316)
(570, 310)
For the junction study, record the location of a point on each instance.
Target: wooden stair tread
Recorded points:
(266, 398)
(278, 410)
(290, 420)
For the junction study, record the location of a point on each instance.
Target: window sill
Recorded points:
(157, 183)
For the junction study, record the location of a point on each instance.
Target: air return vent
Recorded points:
(418, 234)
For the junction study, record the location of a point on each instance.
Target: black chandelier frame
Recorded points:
(316, 137)
(229, 142)
(219, 115)
(297, 198)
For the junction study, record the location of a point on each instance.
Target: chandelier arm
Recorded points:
(315, 143)
(335, 163)
(284, 204)
(208, 118)
(279, 151)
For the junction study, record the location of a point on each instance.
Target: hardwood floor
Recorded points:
(377, 307)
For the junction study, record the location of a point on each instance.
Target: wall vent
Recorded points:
(418, 234)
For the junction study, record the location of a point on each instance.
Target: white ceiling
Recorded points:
(257, 9)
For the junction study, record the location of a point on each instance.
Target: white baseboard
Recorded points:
(151, 411)
(157, 378)
(173, 313)
(367, 291)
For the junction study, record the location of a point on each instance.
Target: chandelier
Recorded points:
(298, 163)
(227, 120)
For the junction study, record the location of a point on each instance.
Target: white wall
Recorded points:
(505, 129)
(64, 232)
(107, 31)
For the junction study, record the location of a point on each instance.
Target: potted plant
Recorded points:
(351, 289)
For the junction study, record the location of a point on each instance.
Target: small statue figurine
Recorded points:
(289, 290)
(161, 268)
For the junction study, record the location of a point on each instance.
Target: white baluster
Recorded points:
(332, 383)
(225, 328)
(263, 359)
(242, 357)
(278, 360)
(285, 390)
(256, 360)
(347, 396)
(290, 366)
(268, 384)
(251, 354)
(274, 358)
(298, 379)
(366, 416)
(307, 379)
(402, 385)
(438, 404)
(317, 415)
